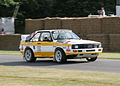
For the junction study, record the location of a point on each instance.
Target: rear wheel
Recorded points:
(29, 56)
(60, 56)
(91, 59)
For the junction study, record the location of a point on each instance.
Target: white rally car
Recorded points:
(59, 45)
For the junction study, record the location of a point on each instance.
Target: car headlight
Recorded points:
(100, 46)
(76, 46)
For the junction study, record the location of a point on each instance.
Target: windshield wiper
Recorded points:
(69, 38)
(72, 38)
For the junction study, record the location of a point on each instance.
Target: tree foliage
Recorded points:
(51, 8)
(54, 8)
(6, 8)
(82, 7)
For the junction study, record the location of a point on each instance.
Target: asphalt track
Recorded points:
(101, 65)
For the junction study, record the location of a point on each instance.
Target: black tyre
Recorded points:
(60, 56)
(91, 59)
(29, 56)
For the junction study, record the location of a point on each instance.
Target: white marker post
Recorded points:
(118, 7)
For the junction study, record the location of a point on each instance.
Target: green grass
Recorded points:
(105, 55)
(109, 55)
(6, 52)
(28, 76)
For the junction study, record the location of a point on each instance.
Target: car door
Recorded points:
(47, 44)
(35, 43)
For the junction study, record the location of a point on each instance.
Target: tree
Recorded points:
(6, 8)
(53, 8)
(82, 8)
(34, 8)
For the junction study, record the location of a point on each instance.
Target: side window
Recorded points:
(55, 35)
(45, 36)
(36, 37)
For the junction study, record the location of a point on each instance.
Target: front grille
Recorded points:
(85, 46)
(79, 50)
(90, 50)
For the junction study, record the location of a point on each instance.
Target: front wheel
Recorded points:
(60, 56)
(91, 59)
(29, 56)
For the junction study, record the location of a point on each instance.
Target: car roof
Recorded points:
(55, 30)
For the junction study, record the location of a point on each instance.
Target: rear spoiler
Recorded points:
(24, 37)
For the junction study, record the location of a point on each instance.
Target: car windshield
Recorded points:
(61, 35)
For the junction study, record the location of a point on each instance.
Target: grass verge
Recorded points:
(109, 55)
(6, 52)
(28, 76)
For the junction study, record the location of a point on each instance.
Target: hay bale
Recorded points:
(103, 38)
(52, 23)
(82, 25)
(83, 36)
(111, 25)
(9, 42)
(114, 48)
(115, 42)
(72, 24)
(114, 38)
(91, 25)
(32, 25)
(78, 25)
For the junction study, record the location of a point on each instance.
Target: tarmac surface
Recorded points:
(100, 65)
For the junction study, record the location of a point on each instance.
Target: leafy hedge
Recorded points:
(53, 8)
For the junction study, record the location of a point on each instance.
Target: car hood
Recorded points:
(74, 41)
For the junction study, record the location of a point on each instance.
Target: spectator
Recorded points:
(2, 31)
(102, 12)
